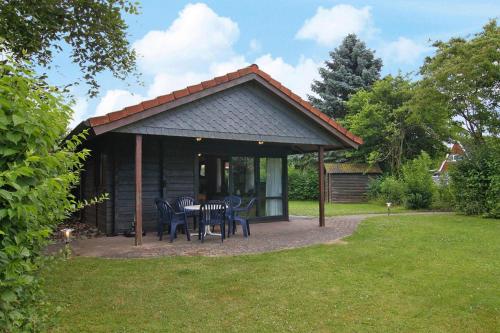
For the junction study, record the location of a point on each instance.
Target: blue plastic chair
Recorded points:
(243, 220)
(232, 202)
(212, 213)
(168, 216)
(184, 201)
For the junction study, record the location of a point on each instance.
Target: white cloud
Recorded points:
(297, 78)
(197, 46)
(330, 26)
(80, 109)
(255, 46)
(403, 51)
(196, 38)
(115, 100)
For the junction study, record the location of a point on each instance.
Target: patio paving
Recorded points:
(265, 237)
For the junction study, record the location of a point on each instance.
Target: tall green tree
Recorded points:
(466, 72)
(352, 67)
(94, 30)
(395, 124)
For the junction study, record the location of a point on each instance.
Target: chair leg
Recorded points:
(187, 232)
(160, 231)
(202, 232)
(248, 228)
(173, 228)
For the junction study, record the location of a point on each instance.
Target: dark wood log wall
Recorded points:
(347, 187)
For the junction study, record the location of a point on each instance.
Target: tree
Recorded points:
(94, 29)
(37, 174)
(395, 124)
(352, 67)
(467, 74)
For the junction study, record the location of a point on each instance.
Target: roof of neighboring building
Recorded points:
(145, 109)
(457, 149)
(352, 168)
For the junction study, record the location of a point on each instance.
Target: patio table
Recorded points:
(196, 208)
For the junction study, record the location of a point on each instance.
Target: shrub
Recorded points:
(419, 186)
(443, 198)
(36, 176)
(392, 190)
(475, 181)
(302, 184)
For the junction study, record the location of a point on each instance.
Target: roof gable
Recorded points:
(246, 112)
(131, 114)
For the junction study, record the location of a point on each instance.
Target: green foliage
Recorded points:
(394, 124)
(302, 184)
(94, 30)
(391, 190)
(443, 198)
(352, 67)
(466, 74)
(475, 181)
(419, 186)
(36, 176)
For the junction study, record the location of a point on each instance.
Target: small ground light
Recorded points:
(260, 142)
(198, 139)
(388, 207)
(67, 234)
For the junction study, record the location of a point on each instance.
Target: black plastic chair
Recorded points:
(182, 202)
(168, 216)
(232, 202)
(212, 213)
(243, 220)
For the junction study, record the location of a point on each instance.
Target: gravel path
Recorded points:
(265, 237)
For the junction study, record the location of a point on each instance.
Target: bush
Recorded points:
(36, 176)
(419, 186)
(302, 184)
(475, 181)
(392, 190)
(443, 198)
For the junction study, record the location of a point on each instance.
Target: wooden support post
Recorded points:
(321, 186)
(138, 189)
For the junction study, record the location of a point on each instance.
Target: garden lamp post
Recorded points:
(67, 238)
(67, 235)
(388, 208)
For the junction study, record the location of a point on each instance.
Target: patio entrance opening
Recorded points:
(246, 177)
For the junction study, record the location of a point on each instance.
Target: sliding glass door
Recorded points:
(247, 177)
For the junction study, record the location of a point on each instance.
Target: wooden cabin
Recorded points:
(228, 135)
(348, 182)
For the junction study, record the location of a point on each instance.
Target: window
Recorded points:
(271, 187)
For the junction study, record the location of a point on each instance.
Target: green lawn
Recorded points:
(435, 273)
(310, 208)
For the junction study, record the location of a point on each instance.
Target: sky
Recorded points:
(180, 43)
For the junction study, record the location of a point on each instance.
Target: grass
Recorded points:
(310, 208)
(436, 273)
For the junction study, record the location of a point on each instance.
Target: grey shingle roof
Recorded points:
(245, 112)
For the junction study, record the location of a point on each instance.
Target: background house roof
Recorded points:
(352, 168)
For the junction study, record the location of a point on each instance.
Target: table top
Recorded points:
(195, 207)
(192, 207)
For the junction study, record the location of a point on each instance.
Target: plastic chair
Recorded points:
(232, 202)
(243, 220)
(184, 201)
(171, 218)
(212, 213)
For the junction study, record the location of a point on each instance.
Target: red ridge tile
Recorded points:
(195, 88)
(151, 103)
(233, 75)
(221, 79)
(165, 98)
(116, 115)
(100, 120)
(208, 84)
(180, 93)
